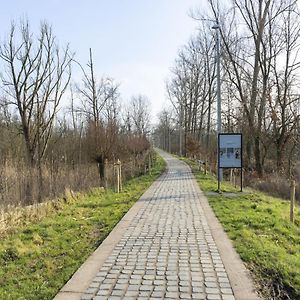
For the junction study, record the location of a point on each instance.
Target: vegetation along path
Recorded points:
(168, 246)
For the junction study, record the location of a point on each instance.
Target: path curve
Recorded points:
(168, 246)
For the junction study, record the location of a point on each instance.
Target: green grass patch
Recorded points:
(262, 234)
(37, 259)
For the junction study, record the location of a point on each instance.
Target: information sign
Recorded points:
(230, 153)
(230, 150)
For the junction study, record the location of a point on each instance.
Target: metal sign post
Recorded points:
(216, 27)
(230, 153)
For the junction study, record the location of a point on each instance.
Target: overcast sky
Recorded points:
(133, 41)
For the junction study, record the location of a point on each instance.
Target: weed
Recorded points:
(10, 254)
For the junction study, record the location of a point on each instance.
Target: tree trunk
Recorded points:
(257, 155)
(279, 158)
(101, 169)
(40, 182)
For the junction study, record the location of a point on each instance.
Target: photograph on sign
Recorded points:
(230, 150)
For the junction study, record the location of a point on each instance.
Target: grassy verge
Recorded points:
(259, 227)
(38, 258)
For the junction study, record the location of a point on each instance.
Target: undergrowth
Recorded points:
(38, 258)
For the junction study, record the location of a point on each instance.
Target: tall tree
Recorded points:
(37, 75)
(140, 115)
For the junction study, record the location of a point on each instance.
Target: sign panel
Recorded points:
(230, 150)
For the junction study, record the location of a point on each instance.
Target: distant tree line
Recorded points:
(49, 121)
(260, 84)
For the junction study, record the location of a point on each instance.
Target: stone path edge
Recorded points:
(82, 278)
(239, 276)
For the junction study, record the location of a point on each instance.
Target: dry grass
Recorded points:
(37, 259)
(14, 217)
(19, 185)
(275, 185)
(19, 189)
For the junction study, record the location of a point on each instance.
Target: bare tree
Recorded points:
(99, 106)
(259, 56)
(95, 92)
(140, 107)
(283, 100)
(252, 42)
(191, 88)
(165, 129)
(37, 75)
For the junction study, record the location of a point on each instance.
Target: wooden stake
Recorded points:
(242, 179)
(234, 178)
(120, 171)
(292, 199)
(118, 175)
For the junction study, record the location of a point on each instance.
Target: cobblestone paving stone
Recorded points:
(168, 251)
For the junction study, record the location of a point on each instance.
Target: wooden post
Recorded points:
(231, 176)
(234, 178)
(118, 175)
(292, 198)
(242, 179)
(105, 173)
(120, 172)
(205, 167)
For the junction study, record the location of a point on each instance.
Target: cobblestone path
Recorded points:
(168, 251)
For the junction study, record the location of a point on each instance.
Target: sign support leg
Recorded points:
(241, 179)
(219, 188)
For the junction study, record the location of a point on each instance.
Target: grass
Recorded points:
(259, 226)
(37, 259)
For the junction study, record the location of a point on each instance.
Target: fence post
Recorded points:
(292, 199)
(120, 175)
(242, 178)
(234, 178)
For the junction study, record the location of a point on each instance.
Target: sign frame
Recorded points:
(232, 166)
